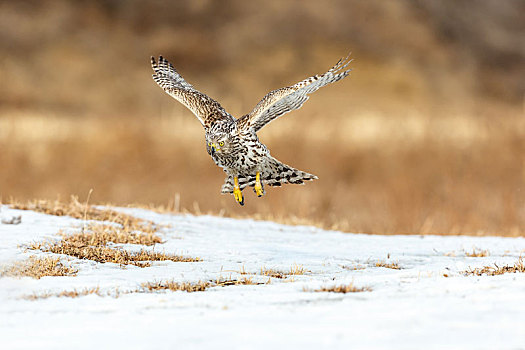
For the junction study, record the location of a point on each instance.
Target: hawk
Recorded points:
(233, 143)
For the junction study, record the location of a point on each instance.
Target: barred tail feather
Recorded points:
(274, 173)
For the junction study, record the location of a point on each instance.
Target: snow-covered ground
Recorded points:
(415, 307)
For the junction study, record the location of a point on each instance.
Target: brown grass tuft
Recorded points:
(518, 267)
(100, 234)
(39, 267)
(393, 265)
(294, 270)
(344, 288)
(220, 282)
(477, 253)
(73, 247)
(85, 211)
(176, 286)
(297, 270)
(199, 286)
(273, 273)
(64, 294)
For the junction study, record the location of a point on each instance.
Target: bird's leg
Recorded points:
(237, 191)
(258, 188)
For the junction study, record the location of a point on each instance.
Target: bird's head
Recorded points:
(219, 143)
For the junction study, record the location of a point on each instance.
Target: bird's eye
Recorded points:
(209, 144)
(221, 143)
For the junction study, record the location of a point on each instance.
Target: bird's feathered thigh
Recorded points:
(273, 173)
(255, 157)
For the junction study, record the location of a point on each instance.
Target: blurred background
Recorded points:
(427, 135)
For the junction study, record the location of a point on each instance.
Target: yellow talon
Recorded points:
(237, 191)
(258, 185)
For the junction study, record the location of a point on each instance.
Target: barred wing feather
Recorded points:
(284, 100)
(206, 109)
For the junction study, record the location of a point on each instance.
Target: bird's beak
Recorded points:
(213, 149)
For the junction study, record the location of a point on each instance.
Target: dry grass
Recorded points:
(104, 254)
(297, 270)
(433, 186)
(65, 294)
(92, 242)
(223, 282)
(242, 271)
(477, 253)
(176, 286)
(518, 267)
(344, 288)
(148, 287)
(391, 265)
(293, 271)
(273, 273)
(39, 267)
(199, 286)
(78, 210)
(397, 147)
(96, 234)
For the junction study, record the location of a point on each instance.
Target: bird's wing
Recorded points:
(287, 99)
(206, 109)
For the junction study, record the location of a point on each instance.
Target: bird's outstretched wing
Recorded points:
(287, 99)
(206, 109)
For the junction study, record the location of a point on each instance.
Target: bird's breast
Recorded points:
(247, 156)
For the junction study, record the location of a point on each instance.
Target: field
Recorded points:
(378, 173)
(113, 231)
(426, 136)
(230, 283)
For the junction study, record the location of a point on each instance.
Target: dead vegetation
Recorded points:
(243, 271)
(276, 273)
(199, 286)
(36, 267)
(74, 208)
(391, 265)
(70, 245)
(412, 198)
(411, 153)
(176, 286)
(148, 287)
(92, 243)
(344, 288)
(518, 267)
(297, 270)
(64, 294)
(293, 271)
(223, 282)
(477, 253)
(96, 234)
(273, 273)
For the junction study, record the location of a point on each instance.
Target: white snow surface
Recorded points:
(416, 307)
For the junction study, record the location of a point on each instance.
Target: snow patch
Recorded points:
(410, 308)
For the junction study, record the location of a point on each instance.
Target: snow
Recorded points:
(410, 308)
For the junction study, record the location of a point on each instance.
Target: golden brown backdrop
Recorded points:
(426, 136)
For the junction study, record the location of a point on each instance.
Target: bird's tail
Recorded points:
(274, 173)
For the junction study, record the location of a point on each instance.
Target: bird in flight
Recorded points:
(233, 143)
